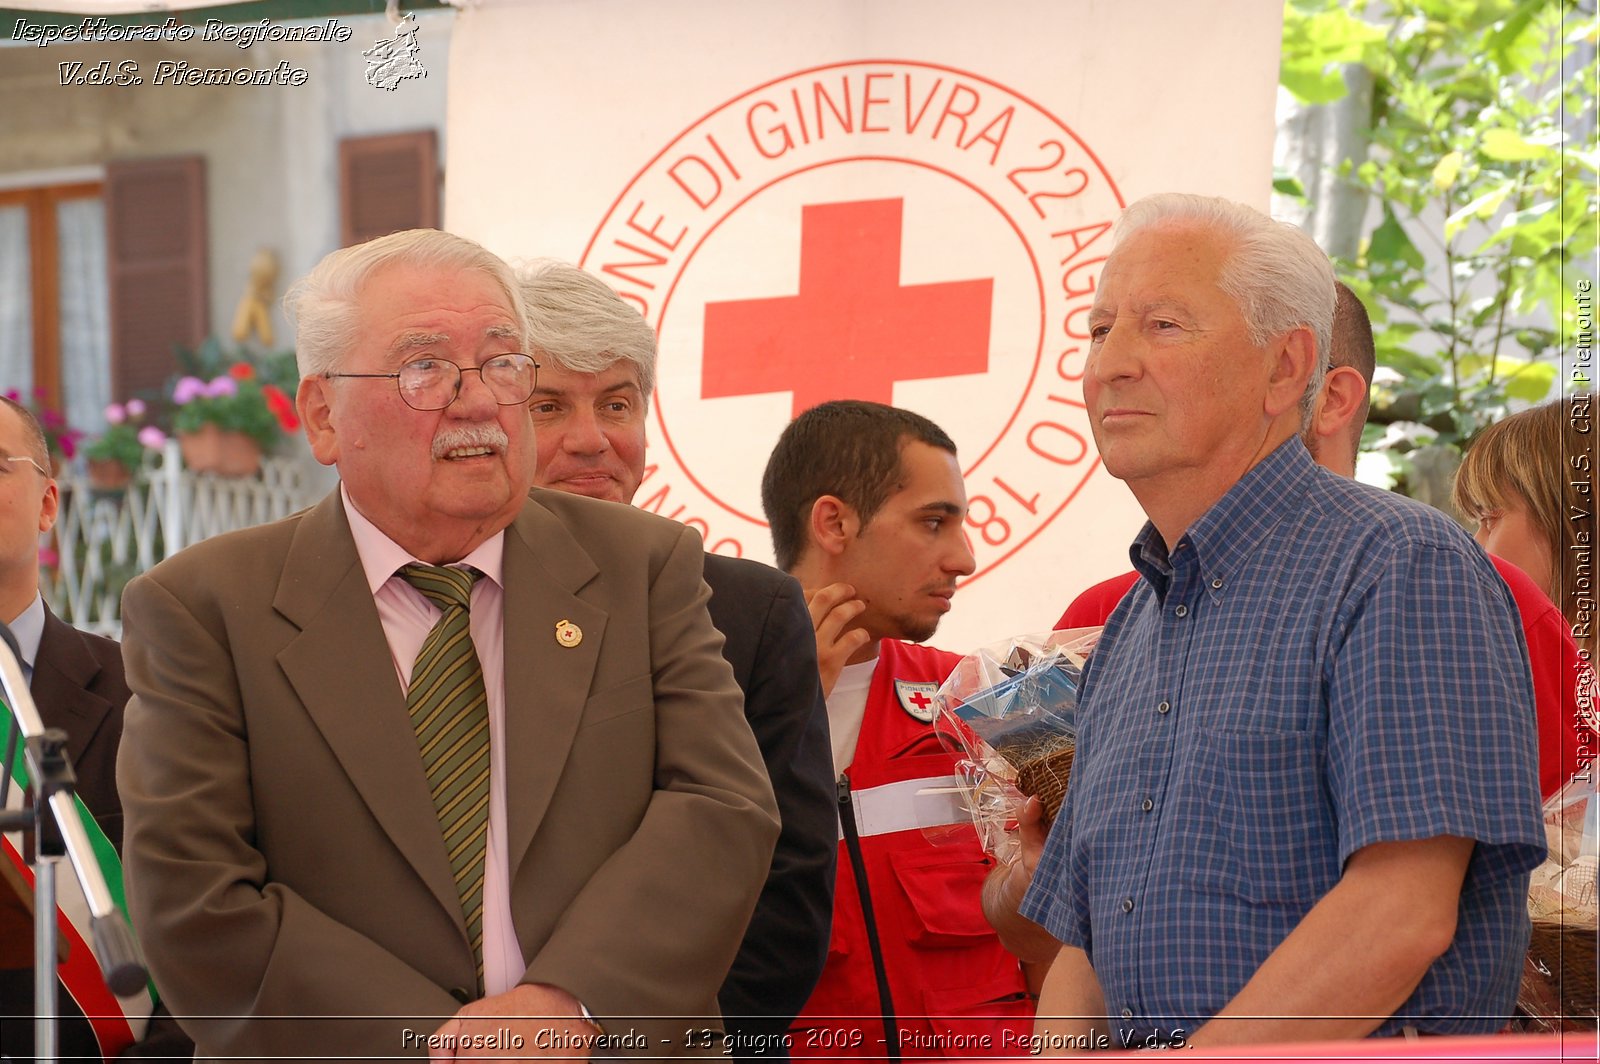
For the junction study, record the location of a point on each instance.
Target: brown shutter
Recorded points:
(387, 184)
(156, 253)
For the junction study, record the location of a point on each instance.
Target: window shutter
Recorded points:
(156, 254)
(387, 184)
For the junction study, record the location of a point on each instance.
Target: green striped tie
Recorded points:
(450, 710)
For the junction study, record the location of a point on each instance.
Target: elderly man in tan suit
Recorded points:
(353, 830)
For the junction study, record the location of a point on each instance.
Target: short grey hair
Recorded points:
(1275, 272)
(576, 321)
(324, 305)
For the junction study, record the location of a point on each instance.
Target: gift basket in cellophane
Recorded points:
(1559, 990)
(1012, 709)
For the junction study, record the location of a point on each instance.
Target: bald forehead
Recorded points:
(21, 436)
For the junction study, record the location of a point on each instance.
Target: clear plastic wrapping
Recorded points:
(1559, 989)
(1011, 708)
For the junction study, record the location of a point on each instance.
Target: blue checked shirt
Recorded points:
(1319, 666)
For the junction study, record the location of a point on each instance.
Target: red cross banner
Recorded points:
(899, 200)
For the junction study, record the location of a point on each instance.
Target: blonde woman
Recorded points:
(1528, 482)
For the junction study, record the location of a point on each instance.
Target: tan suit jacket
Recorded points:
(282, 851)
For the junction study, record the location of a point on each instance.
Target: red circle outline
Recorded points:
(1116, 195)
(691, 127)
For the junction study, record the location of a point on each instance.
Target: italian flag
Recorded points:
(117, 1022)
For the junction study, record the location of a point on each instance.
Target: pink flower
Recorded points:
(152, 437)
(187, 390)
(49, 558)
(115, 415)
(136, 408)
(221, 387)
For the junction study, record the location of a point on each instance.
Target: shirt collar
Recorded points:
(381, 556)
(29, 630)
(1225, 535)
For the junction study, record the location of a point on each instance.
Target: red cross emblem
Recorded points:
(917, 698)
(853, 330)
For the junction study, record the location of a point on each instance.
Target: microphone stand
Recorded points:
(58, 832)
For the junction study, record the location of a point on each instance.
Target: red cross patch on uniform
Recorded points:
(917, 699)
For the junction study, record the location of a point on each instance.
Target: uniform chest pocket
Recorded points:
(941, 888)
(1258, 817)
(928, 743)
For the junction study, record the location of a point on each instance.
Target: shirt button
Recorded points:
(1147, 805)
(1127, 905)
(1216, 584)
(1127, 1014)
(1163, 706)
(1181, 610)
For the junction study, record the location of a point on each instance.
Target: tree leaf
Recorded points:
(1507, 145)
(1285, 184)
(1446, 170)
(1527, 381)
(1312, 85)
(1389, 242)
(1482, 207)
(1504, 39)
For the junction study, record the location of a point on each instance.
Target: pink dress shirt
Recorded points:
(407, 617)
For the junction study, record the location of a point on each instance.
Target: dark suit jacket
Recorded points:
(78, 686)
(284, 857)
(772, 647)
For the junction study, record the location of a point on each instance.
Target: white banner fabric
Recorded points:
(898, 200)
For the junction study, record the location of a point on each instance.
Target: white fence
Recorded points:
(103, 539)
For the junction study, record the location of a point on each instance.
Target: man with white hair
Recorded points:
(434, 768)
(597, 370)
(1304, 804)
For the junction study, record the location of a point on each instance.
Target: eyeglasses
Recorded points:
(43, 472)
(434, 383)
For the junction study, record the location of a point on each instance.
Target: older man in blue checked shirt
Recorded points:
(1305, 803)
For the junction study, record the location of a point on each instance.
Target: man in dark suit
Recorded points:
(597, 360)
(77, 685)
(434, 749)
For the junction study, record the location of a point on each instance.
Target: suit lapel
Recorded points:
(341, 667)
(547, 682)
(64, 669)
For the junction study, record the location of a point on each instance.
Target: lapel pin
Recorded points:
(567, 633)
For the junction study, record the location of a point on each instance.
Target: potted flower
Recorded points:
(224, 424)
(117, 454)
(60, 438)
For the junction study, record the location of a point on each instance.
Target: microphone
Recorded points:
(114, 944)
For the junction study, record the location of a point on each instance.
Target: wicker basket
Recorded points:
(1559, 980)
(1046, 778)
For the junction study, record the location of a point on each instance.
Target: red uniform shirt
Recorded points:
(955, 990)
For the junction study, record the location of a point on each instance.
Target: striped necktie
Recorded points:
(449, 709)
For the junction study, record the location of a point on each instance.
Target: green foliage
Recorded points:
(119, 443)
(237, 389)
(213, 359)
(242, 409)
(127, 438)
(1476, 156)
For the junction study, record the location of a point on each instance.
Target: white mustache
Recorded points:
(490, 435)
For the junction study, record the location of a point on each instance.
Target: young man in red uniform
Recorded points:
(866, 504)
